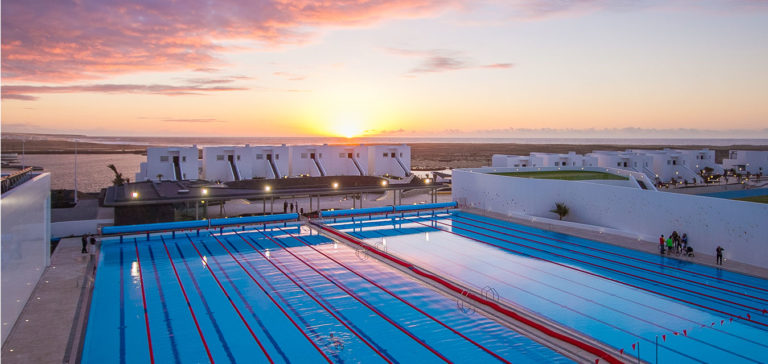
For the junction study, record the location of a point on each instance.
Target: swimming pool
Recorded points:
(277, 294)
(655, 307)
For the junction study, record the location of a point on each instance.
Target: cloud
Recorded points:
(441, 60)
(290, 76)
(69, 40)
(25, 92)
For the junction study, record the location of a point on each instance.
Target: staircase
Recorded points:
(357, 165)
(233, 166)
(319, 167)
(405, 170)
(275, 171)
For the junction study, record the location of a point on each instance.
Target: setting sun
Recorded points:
(348, 126)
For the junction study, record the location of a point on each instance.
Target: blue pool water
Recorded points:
(644, 304)
(282, 294)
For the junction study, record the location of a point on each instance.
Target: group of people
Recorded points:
(85, 239)
(675, 244)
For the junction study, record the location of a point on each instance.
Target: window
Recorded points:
(349, 155)
(342, 155)
(358, 155)
(557, 164)
(238, 157)
(385, 155)
(618, 164)
(669, 162)
(259, 156)
(220, 157)
(320, 155)
(401, 154)
(277, 156)
(163, 158)
(183, 158)
(303, 155)
(393, 154)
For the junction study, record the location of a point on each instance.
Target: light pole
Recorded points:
(75, 171)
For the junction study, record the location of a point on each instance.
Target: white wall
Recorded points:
(154, 166)
(381, 160)
(26, 243)
(747, 160)
(260, 167)
(301, 161)
(339, 163)
(740, 227)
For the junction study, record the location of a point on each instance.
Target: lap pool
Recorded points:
(644, 305)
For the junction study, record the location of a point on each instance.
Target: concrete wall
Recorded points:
(340, 160)
(26, 239)
(77, 227)
(740, 227)
(301, 161)
(216, 163)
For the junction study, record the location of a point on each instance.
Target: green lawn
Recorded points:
(760, 199)
(565, 175)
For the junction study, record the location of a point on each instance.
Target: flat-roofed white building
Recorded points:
(699, 159)
(225, 163)
(668, 164)
(752, 161)
(270, 161)
(346, 160)
(393, 160)
(170, 163)
(570, 159)
(308, 160)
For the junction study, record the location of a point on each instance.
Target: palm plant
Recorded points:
(118, 180)
(561, 210)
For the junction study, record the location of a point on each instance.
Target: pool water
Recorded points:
(278, 294)
(657, 308)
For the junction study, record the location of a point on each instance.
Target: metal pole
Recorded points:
(75, 171)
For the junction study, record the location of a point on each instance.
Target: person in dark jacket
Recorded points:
(84, 239)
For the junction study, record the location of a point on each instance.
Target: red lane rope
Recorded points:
(614, 253)
(231, 302)
(514, 315)
(598, 275)
(400, 299)
(274, 301)
(363, 302)
(189, 305)
(609, 260)
(144, 302)
(317, 301)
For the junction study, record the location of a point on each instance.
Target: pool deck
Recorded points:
(650, 247)
(44, 331)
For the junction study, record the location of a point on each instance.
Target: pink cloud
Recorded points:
(25, 92)
(69, 40)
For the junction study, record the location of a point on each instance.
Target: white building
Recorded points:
(270, 162)
(393, 160)
(171, 163)
(224, 163)
(751, 161)
(26, 241)
(308, 160)
(346, 160)
(571, 159)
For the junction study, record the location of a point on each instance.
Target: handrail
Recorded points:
(10, 181)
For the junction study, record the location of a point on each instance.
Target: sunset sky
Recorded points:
(386, 68)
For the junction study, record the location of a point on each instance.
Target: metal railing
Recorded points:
(12, 180)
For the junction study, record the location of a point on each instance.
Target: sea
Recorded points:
(93, 174)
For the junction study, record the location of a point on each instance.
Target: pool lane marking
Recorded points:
(144, 302)
(364, 303)
(250, 330)
(600, 353)
(161, 294)
(367, 343)
(714, 298)
(610, 260)
(322, 299)
(216, 327)
(619, 254)
(247, 304)
(399, 298)
(601, 276)
(189, 305)
(452, 261)
(284, 299)
(122, 307)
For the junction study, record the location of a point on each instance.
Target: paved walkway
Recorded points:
(623, 241)
(43, 331)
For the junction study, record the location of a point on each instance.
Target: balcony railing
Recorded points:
(16, 178)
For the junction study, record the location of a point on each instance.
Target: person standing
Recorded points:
(291, 207)
(84, 239)
(661, 244)
(719, 255)
(285, 207)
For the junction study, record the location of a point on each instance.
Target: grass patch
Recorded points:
(759, 199)
(565, 175)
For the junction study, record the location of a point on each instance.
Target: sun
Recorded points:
(348, 126)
